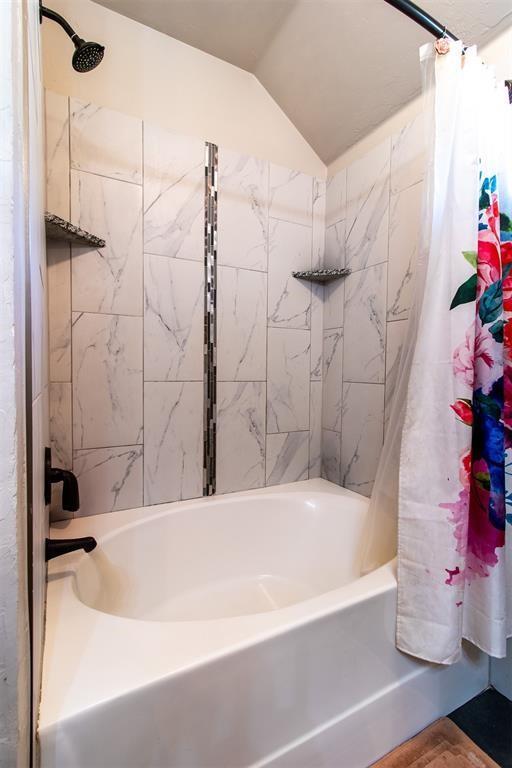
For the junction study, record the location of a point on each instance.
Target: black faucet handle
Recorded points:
(70, 493)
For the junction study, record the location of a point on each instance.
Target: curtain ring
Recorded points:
(442, 45)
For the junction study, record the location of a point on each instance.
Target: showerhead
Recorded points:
(87, 56)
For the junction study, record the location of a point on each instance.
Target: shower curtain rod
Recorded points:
(422, 18)
(428, 22)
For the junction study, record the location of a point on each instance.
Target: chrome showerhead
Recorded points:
(87, 55)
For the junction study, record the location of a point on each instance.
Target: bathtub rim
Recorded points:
(62, 697)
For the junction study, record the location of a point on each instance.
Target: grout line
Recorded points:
(105, 176)
(108, 447)
(106, 314)
(176, 381)
(267, 249)
(240, 381)
(70, 283)
(143, 314)
(234, 266)
(362, 269)
(368, 383)
(290, 432)
(385, 326)
(174, 258)
(287, 221)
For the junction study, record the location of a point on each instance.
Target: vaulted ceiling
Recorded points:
(337, 68)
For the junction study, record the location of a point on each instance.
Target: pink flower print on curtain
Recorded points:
(478, 516)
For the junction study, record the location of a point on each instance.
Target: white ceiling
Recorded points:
(337, 68)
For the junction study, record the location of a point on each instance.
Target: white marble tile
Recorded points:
(394, 341)
(317, 313)
(319, 201)
(336, 198)
(173, 194)
(334, 292)
(57, 154)
(408, 155)
(107, 380)
(242, 325)
(362, 435)
(332, 379)
(334, 304)
(106, 142)
(61, 430)
(38, 301)
(107, 279)
(315, 429)
(291, 195)
(59, 310)
(331, 456)
(242, 239)
(289, 299)
(288, 380)
(287, 457)
(365, 325)
(173, 319)
(404, 238)
(173, 441)
(335, 246)
(109, 479)
(366, 229)
(240, 436)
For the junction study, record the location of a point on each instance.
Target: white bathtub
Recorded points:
(232, 631)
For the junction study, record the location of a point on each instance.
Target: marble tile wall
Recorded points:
(373, 218)
(96, 300)
(306, 374)
(126, 321)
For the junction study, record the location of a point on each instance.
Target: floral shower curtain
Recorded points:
(448, 449)
(455, 479)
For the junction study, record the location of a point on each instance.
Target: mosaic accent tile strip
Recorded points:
(210, 320)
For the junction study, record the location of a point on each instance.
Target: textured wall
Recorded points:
(126, 321)
(372, 226)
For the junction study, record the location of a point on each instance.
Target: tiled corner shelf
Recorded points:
(59, 229)
(321, 275)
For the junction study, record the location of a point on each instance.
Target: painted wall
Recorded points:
(40, 426)
(126, 322)
(23, 270)
(497, 52)
(14, 634)
(152, 76)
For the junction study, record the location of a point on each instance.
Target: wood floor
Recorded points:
(441, 745)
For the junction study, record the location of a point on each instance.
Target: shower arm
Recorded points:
(422, 18)
(54, 16)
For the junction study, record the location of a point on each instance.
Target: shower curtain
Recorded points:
(448, 453)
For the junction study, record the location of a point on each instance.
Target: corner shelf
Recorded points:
(59, 229)
(321, 275)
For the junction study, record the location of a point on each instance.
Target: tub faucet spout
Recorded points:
(56, 547)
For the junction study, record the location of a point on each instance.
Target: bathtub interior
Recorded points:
(228, 557)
